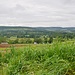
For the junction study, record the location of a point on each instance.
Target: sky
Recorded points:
(37, 13)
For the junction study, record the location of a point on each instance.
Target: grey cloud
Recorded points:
(19, 7)
(37, 12)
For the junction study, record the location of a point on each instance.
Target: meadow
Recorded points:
(57, 58)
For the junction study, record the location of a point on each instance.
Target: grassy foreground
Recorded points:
(54, 59)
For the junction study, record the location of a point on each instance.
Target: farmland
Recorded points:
(37, 51)
(57, 58)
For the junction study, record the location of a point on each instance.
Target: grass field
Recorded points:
(40, 59)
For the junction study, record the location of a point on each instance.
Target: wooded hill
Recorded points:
(32, 32)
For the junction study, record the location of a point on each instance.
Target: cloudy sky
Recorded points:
(37, 13)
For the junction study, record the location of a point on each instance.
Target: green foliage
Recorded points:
(0, 59)
(15, 41)
(2, 39)
(50, 40)
(29, 41)
(45, 39)
(38, 40)
(55, 59)
(31, 32)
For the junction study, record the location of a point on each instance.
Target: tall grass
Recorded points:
(54, 59)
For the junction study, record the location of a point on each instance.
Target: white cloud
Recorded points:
(37, 12)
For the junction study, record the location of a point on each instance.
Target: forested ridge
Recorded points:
(32, 32)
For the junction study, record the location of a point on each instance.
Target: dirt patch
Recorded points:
(9, 45)
(4, 45)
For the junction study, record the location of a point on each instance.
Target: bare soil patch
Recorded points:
(9, 45)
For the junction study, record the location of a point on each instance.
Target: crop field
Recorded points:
(40, 59)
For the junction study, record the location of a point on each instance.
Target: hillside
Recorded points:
(36, 31)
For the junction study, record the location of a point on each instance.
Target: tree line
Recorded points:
(41, 40)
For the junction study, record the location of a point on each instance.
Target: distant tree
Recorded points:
(22, 41)
(38, 40)
(29, 41)
(10, 41)
(13, 41)
(2, 39)
(60, 39)
(45, 39)
(50, 40)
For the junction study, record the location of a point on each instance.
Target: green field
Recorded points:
(40, 59)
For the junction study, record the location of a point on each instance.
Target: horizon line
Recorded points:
(38, 26)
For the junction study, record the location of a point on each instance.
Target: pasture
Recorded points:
(57, 58)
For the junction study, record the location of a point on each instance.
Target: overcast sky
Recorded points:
(37, 13)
